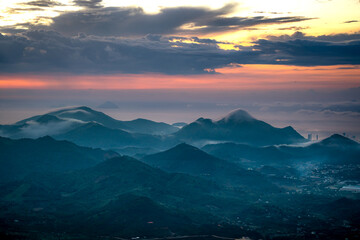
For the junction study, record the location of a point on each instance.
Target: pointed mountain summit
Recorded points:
(338, 140)
(240, 127)
(334, 150)
(237, 116)
(188, 159)
(184, 158)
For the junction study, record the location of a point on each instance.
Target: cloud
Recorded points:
(311, 51)
(342, 37)
(294, 28)
(42, 3)
(34, 129)
(21, 10)
(134, 21)
(25, 7)
(352, 21)
(88, 3)
(50, 51)
(234, 23)
(341, 106)
(326, 115)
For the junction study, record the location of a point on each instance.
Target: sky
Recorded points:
(289, 62)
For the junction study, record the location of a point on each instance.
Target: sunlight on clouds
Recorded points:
(155, 6)
(328, 17)
(191, 26)
(223, 46)
(16, 13)
(228, 46)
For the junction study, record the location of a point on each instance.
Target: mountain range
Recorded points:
(254, 181)
(118, 196)
(91, 128)
(73, 117)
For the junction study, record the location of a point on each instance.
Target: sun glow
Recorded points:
(260, 77)
(326, 17)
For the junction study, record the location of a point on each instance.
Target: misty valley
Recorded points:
(77, 173)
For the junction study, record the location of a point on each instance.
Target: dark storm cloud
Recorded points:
(133, 21)
(299, 49)
(49, 51)
(42, 3)
(15, 29)
(94, 19)
(309, 53)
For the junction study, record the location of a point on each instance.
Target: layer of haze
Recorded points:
(321, 112)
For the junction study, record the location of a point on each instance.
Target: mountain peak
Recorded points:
(182, 151)
(238, 115)
(185, 146)
(48, 118)
(84, 109)
(336, 139)
(203, 120)
(72, 110)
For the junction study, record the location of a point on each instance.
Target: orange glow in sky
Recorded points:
(260, 77)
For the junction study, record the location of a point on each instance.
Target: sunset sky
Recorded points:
(248, 46)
